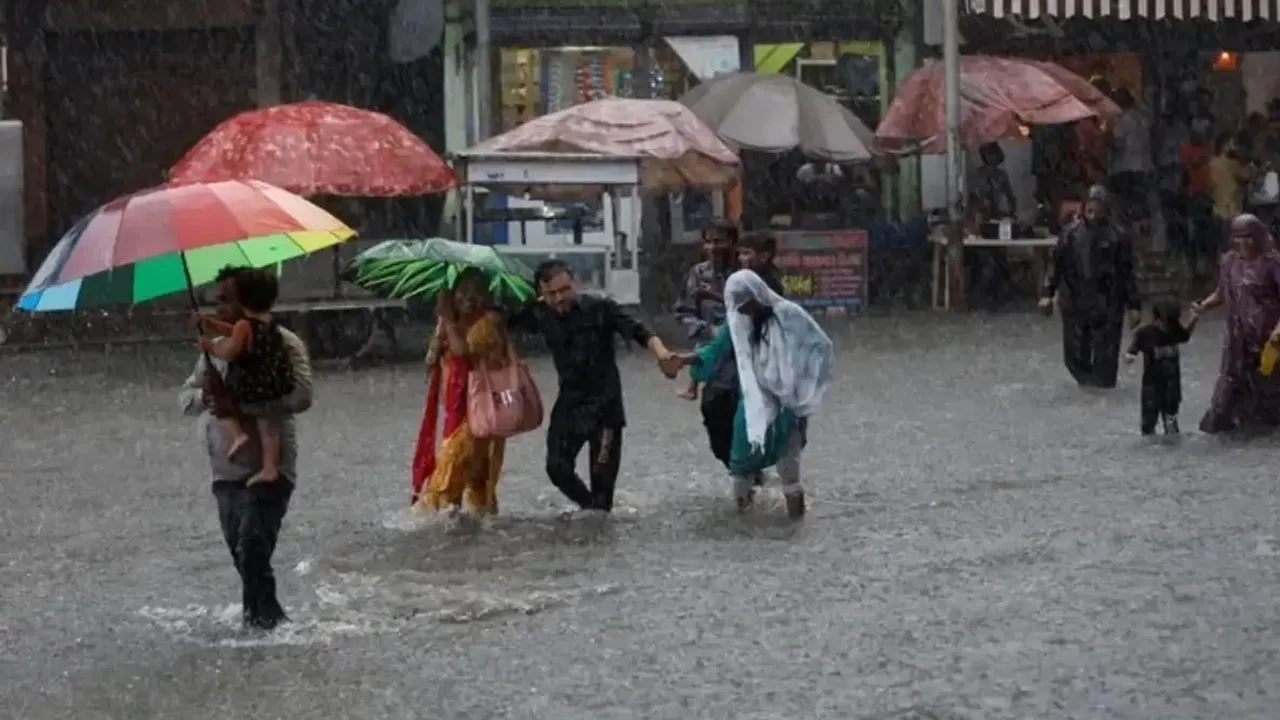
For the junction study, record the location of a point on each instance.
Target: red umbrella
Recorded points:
(318, 148)
(998, 96)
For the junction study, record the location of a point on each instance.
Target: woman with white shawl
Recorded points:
(784, 363)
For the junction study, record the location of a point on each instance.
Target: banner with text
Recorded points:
(824, 269)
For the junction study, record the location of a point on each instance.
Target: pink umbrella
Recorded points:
(675, 148)
(998, 97)
(1080, 87)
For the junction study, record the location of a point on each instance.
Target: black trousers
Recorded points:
(564, 444)
(719, 407)
(251, 517)
(1157, 403)
(1091, 347)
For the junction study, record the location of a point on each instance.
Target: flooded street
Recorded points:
(985, 541)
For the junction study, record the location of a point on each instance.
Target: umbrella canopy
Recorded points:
(998, 95)
(777, 113)
(421, 268)
(1080, 87)
(676, 150)
(167, 239)
(318, 148)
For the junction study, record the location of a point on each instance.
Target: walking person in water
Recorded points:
(1249, 287)
(1157, 342)
(455, 465)
(784, 362)
(579, 331)
(1092, 280)
(250, 515)
(701, 305)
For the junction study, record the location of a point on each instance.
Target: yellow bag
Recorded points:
(1270, 353)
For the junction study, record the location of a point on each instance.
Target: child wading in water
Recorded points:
(258, 370)
(756, 252)
(702, 301)
(1158, 343)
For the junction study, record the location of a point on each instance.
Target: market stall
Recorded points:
(1002, 99)
(1037, 248)
(613, 269)
(607, 154)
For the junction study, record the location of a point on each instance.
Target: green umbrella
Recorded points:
(421, 268)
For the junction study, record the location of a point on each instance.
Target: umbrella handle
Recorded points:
(195, 303)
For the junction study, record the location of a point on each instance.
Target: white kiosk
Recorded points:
(610, 260)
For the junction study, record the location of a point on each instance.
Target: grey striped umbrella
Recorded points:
(777, 113)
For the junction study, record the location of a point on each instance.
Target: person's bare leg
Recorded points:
(239, 435)
(269, 437)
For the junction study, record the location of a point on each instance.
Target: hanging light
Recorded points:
(1226, 61)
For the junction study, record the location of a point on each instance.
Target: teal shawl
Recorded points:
(742, 460)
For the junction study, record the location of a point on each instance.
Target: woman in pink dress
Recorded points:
(1249, 286)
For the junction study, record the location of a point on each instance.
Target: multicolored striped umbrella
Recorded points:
(174, 238)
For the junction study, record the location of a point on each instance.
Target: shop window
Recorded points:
(536, 82)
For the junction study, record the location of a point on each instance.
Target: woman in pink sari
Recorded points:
(1249, 286)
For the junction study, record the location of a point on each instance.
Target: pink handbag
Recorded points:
(504, 402)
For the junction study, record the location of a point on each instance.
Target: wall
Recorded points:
(1260, 75)
(129, 105)
(13, 242)
(114, 138)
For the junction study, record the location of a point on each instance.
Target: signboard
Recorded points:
(824, 269)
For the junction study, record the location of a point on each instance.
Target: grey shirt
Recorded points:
(217, 439)
(701, 318)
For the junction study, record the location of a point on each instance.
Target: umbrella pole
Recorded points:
(195, 303)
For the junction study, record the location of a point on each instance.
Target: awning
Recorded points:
(1211, 10)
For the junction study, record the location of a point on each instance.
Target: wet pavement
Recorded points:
(985, 541)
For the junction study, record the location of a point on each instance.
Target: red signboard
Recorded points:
(823, 269)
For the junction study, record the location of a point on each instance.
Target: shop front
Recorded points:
(1187, 64)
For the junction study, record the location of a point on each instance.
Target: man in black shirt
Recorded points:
(580, 331)
(1092, 279)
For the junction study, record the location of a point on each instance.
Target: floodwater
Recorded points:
(985, 541)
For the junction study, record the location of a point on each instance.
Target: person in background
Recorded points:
(756, 252)
(1158, 342)
(701, 305)
(1131, 164)
(991, 184)
(1227, 178)
(1249, 286)
(993, 200)
(1249, 139)
(1092, 279)
(1202, 120)
(1173, 133)
(579, 331)
(1199, 236)
(1265, 159)
(250, 515)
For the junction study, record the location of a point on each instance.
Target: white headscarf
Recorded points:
(791, 365)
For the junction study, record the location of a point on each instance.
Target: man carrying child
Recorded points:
(250, 515)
